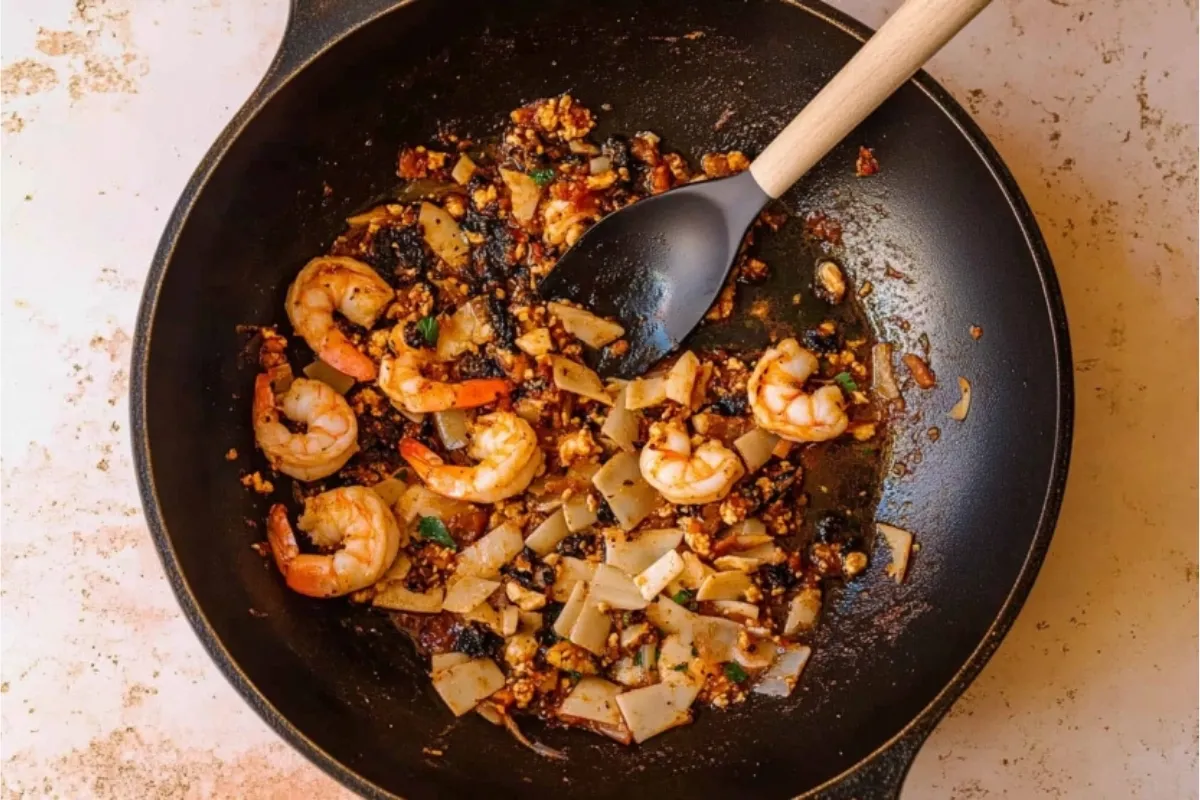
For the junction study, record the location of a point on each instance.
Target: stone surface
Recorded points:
(104, 690)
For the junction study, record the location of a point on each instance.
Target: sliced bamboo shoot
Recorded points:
(462, 686)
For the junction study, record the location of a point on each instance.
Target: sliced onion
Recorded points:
(585, 326)
(614, 588)
(599, 165)
(646, 392)
(700, 388)
(591, 627)
(884, 378)
(451, 428)
(417, 501)
(399, 569)
(536, 342)
(593, 699)
(959, 412)
(627, 493)
(486, 556)
(318, 370)
(622, 425)
(675, 662)
(760, 654)
(444, 661)
(466, 592)
(572, 571)
(724, 586)
(463, 170)
(578, 513)
(695, 571)
(571, 611)
(462, 686)
(900, 541)
(655, 577)
(780, 679)
(654, 709)
(736, 608)
(756, 447)
(748, 527)
(571, 376)
(803, 612)
(546, 751)
(377, 214)
(715, 638)
(547, 535)
(738, 563)
(633, 555)
(682, 378)
(669, 616)
(397, 598)
(390, 490)
(510, 620)
(412, 416)
(526, 194)
(443, 235)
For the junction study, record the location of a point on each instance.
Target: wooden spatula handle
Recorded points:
(906, 41)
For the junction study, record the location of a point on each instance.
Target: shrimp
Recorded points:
(779, 403)
(352, 519)
(327, 444)
(506, 448)
(683, 475)
(401, 380)
(350, 287)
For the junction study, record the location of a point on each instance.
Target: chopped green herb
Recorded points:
(637, 658)
(846, 382)
(434, 530)
(429, 329)
(680, 667)
(541, 176)
(573, 674)
(684, 596)
(695, 652)
(734, 672)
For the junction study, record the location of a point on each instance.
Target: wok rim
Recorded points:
(917, 729)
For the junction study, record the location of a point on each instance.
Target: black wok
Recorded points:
(353, 81)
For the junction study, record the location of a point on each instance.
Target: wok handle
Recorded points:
(882, 777)
(312, 26)
(902, 45)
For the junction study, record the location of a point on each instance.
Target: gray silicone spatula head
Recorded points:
(657, 265)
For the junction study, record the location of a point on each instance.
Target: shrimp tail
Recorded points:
(422, 460)
(339, 353)
(281, 537)
(310, 575)
(264, 397)
(479, 392)
(314, 576)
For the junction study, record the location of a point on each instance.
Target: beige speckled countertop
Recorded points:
(105, 692)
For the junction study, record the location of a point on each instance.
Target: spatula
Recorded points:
(657, 265)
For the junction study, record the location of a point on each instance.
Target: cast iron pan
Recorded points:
(355, 80)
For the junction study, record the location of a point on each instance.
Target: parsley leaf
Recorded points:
(846, 382)
(637, 658)
(434, 530)
(573, 674)
(542, 176)
(680, 667)
(428, 327)
(734, 672)
(683, 596)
